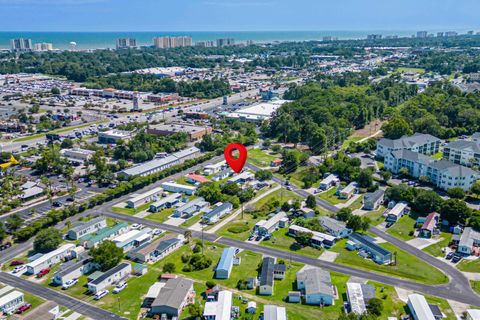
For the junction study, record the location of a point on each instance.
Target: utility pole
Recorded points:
(203, 226)
(242, 210)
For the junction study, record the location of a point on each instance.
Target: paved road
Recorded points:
(60, 298)
(449, 291)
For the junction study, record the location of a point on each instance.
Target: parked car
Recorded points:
(449, 256)
(456, 258)
(101, 294)
(70, 199)
(156, 232)
(119, 287)
(135, 226)
(17, 263)
(69, 283)
(5, 246)
(56, 204)
(24, 308)
(19, 268)
(43, 272)
(389, 224)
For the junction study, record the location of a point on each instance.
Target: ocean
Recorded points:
(99, 40)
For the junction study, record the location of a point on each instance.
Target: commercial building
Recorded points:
(113, 136)
(373, 200)
(368, 247)
(85, 228)
(335, 227)
(73, 269)
(270, 271)
(469, 241)
(173, 297)
(225, 42)
(172, 42)
(258, 112)
(133, 239)
(163, 97)
(318, 239)
(177, 187)
(398, 211)
(51, 258)
(442, 173)
(429, 227)
(160, 164)
(329, 181)
(194, 132)
(110, 277)
(464, 152)
(419, 307)
(220, 309)
(217, 212)
(126, 43)
(271, 312)
(44, 46)
(419, 142)
(265, 227)
(191, 208)
(224, 267)
(77, 154)
(151, 195)
(156, 250)
(21, 44)
(316, 285)
(91, 240)
(358, 295)
(11, 301)
(165, 203)
(422, 34)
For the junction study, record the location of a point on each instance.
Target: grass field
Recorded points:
(408, 266)
(261, 158)
(402, 228)
(239, 228)
(405, 69)
(331, 197)
(160, 216)
(297, 177)
(376, 217)
(470, 265)
(436, 249)
(190, 222)
(280, 240)
(132, 211)
(281, 195)
(475, 286)
(350, 140)
(357, 204)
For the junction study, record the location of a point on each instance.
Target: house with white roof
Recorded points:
(358, 295)
(138, 200)
(330, 181)
(272, 312)
(51, 258)
(221, 308)
(88, 227)
(133, 238)
(398, 211)
(419, 307)
(11, 301)
(180, 188)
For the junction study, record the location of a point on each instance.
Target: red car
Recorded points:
(24, 308)
(43, 272)
(17, 263)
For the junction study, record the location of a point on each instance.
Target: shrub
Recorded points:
(238, 229)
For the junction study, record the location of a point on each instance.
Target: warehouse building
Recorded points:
(194, 132)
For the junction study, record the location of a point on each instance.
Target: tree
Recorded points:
(365, 178)
(475, 189)
(55, 91)
(263, 175)
(303, 238)
(386, 175)
(230, 188)
(404, 172)
(356, 223)
(14, 222)
(375, 306)
(169, 267)
(290, 162)
(47, 240)
(66, 143)
(396, 128)
(344, 214)
(456, 193)
(426, 201)
(188, 235)
(195, 311)
(455, 211)
(311, 202)
(474, 222)
(210, 284)
(107, 255)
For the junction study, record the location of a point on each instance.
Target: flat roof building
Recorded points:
(194, 132)
(144, 198)
(271, 312)
(258, 112)
(317, 286)
(113, 136)
(177, 187)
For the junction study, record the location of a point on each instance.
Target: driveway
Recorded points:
(422, 243)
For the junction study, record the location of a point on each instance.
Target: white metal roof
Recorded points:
(355, 298)
(420, 307)
(146, 194)
(49, 255)
(10, 297)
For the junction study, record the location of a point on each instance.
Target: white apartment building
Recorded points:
(464, 152)
(419, 142)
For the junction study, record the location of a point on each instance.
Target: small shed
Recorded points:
(139, 269)
(251, 307)
(294, 296)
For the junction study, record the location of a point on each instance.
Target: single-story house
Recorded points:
(271, 312)
(358, 296)
(221, 308)
(133, 239)
(11, 301)
(270, 271)
(91, 240)
(264, 227)
(110, 277)
(242, 178)
(378, 253)
(191, 208)
(156, 250)
(173, 297)
(167, 202)
(398, 211)
(151, 195)
(316, 285)
(222, 175)
(330, 181)
(468, 240)
(73, 269)
(214, 168)
(472, 314)
(373, 200)
(195, 179)
(319, 239)
(176, 187)
(88, 227)
(217, 212)
(294, 296)
(51, 258)
(335, 227)
(348, 191)
(419, 307)
(429, 226)
(224, 267)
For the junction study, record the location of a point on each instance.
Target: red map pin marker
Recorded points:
(236, 163)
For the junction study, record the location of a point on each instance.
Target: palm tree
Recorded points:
(188, 235)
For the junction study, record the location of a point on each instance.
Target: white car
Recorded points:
(156, 232)
(99, 295)
(135, 226)
(19, 268)
(69, 283)
(120, 287)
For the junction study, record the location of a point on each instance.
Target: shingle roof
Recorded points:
(173, 293)
(332, 224)
(266, 274)
(316, 280)
(464, 145)
(374, 196)
(110, 272)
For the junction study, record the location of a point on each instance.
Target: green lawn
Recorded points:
(470, 265)
(408, 266)
(261, 158)
(475, 286)
(357, 204)
(281, 195)
(33, 300)
(350, 140)
(392, 305)
(191, 221)
(132, 211)
(402, 228)
(444, 306)
(161, 216)
(239, 228)
(297, 177)
(438, 155)
(330, 196)
(436, 249)
(280, 240)
(376, 217)
(406, 69)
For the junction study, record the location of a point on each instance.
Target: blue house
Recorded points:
(216, 213)
(316, 285)
(366, 244)
(225, 264)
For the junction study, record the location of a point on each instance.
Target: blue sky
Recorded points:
(237, 15)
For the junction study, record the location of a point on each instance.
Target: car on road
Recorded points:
(99, 295)
(56, 204)
(119, 287)
(23, 308)
(69, 283)
(43, 272)
(456, 258)
(17, 263)
(19, 268)
(135, 226)
(70, 199)
(449, 255)
(156, 232)
(5, 246)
